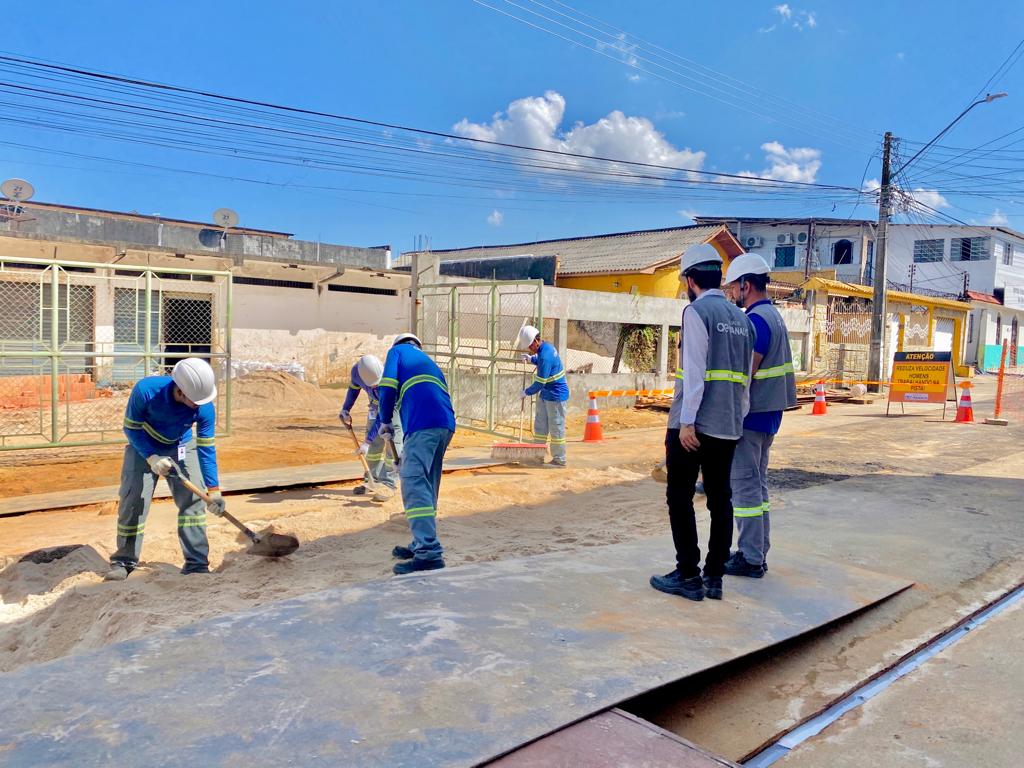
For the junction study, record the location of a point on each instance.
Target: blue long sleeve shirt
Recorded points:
(549, 379)
(414, 384)
(154, 422)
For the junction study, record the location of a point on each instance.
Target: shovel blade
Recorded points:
(273, 544)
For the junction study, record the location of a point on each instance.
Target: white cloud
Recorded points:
(496, 218)
(901, 55)
(930, 197)
(634, 78)
(689, 214)
(872, 185)
(536, 121)
(997, 219)
(626, 52)
(766, 30)
(794, 164)
(783, 10)
(797, 18)
(811, 20)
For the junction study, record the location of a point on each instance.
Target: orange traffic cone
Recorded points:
(820, 409)
(592, 432)
(965, 411)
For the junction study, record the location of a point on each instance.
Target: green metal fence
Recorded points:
(75, 337)
(470, 330)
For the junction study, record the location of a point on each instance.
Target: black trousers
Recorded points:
(714, 460)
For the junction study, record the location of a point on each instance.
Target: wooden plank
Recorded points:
(612, 739)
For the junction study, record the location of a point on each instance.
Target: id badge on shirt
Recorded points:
(181, 451)
(373, 413)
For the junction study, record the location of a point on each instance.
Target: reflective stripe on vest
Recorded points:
(775, 372)
(550, 379)
(736, 377)
(423, 378)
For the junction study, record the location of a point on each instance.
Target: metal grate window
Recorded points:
(1008, 254)
(271, 283)
(363, 289)
(926, 251)
(970, 249)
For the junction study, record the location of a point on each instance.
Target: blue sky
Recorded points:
(452, 65)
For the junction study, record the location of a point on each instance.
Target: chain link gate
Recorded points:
(76, 336)
(470, 329)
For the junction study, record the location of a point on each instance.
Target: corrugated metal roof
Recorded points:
(638, 251)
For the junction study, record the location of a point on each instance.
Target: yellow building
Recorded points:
(841, 316)
(644, 262)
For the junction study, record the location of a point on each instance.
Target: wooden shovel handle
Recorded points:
(362, 459)
(206, 497)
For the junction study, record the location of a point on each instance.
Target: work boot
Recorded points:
(402, 553)
(359, 490)
(117, 572)
(713, 587)
(674, 584)
(737, 565)
(188, 570)
(382, 494)
(409, 566)
(764, 565)
(557, 463)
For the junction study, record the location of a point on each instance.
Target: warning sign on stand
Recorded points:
(922, 377)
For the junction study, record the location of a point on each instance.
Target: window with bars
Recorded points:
(970, 249)
(1008, 254)
(926, 251)
(785, 256)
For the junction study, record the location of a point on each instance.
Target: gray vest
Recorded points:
(773, 387)
(730, 348)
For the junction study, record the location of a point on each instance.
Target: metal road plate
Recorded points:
(447, 668)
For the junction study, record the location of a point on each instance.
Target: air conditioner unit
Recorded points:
(802, 237)
(785, 239)
(753, 242)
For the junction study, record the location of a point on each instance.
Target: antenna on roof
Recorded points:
(225, 218)
(17, 191)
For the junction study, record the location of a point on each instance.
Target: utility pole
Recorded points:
(913, 267)
(810, 249)
(876, 362)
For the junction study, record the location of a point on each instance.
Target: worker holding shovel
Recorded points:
(381, 476)
(549, 382)
(158, 422)
(414, 385)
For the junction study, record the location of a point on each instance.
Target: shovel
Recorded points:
(369, 482)
(266, 543)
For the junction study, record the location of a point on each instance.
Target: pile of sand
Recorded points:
(279, 390)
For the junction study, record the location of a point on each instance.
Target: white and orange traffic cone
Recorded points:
(965, 411)
(820, 408)
(592, 432)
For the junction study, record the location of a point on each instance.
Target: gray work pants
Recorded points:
(750, 507)
(421, 482)
(382, 466)
(549, 421)
(136, 495)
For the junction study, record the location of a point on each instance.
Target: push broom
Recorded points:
(520, 453)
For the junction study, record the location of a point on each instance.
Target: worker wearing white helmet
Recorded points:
(365, 377)
(548, 381)
(704, 423)
(158, 422)
(414, 396)
(772, 390)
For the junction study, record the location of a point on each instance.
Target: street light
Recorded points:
(876, 351)
(989, 98)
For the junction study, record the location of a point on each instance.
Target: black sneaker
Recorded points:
(737, 565)
(359, 490)
(713, 587)
(402, 553)
(410, 566)
(674, 584)
(764, 565)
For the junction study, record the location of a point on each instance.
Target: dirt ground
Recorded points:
(52, 609)
(278, 421)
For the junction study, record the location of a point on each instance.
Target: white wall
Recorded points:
(825, 237)
(324, 331)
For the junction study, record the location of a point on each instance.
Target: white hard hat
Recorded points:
(746, 264)
(196, 380)
(699, 254)
(404, 337)
(527, 335)
(370, 369)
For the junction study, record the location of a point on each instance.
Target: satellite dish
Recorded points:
(18, 190)
(225, 218)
